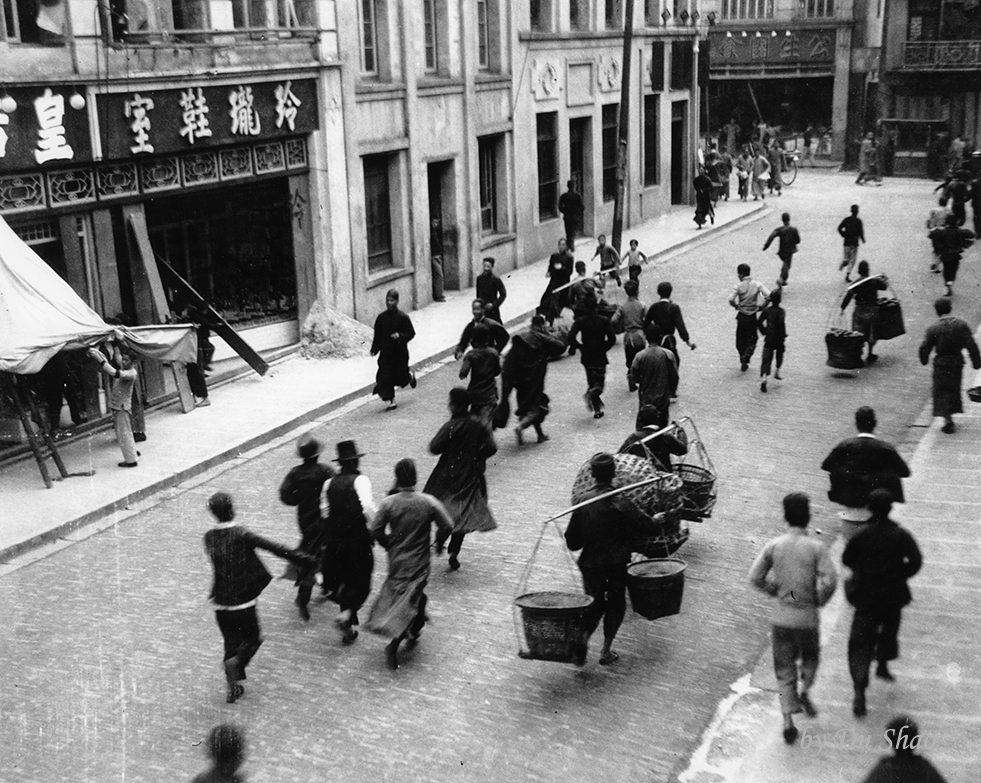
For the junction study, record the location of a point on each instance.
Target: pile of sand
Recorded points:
(328, 334)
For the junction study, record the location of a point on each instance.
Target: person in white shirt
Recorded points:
(748, 298)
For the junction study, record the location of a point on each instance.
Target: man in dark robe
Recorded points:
(559, 273)
(949, 243)
(592, 335)
(948, 339)
(393, 331)
(498, 334)
(669, 320)
(491, 289)
(572, 208)
(463, 444)
(703, 198)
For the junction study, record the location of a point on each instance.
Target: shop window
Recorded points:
(610, 132)
(651, 152)
(34, 22)
(819, 8)
(490, 152)
(682, 65)
(749, 9)
(489, 35)
(578, 14)
(541, 15)
(378, 212)
(548, 165)
(613, 15)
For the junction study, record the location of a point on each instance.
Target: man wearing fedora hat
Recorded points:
(347, 560)
(301, 488)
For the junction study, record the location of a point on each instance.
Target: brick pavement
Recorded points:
(117, 677)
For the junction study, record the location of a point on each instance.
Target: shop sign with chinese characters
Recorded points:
(152, 122)
(801, 47)
(43, 127)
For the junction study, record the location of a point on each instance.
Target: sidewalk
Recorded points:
(249, 413)
(938, 683)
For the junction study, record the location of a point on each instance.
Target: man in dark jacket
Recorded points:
(604, 531)
(851, 231)
(860, 464)
(788, 239)
(656, 375)
(491, 289)
(572, 208)
(882, 557)
(498, 334)
(667, 315)
(240, 577)
(949, 243)
(592, 335)
(301, 488)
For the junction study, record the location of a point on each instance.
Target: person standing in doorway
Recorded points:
(572, 208)
(788, 240)
(393, 331)
(747, 298)
(852, 231)
(121, 402)
(592, 335)
(796, 570)
(491, 289)
(882, 558)
(948, 339)
(773, 327)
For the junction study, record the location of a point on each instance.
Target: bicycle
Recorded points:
(790, 158)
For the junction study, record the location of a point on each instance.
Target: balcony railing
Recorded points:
(942, 55)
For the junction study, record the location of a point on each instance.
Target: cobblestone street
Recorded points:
(112, 659)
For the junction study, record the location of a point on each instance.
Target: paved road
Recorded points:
(111, 658)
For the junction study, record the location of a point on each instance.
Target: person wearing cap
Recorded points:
(393, 331)
(796, 570)
(483, 364)
(463, 444)
(604, 531)
(402, 526)
(490, 288)
(947, 339)
(881, 558)
(239, 579)
(347, 562)
(301, 488)
(904, 766)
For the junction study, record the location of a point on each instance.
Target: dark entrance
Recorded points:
(443, 237)
(678, 111)
(579, 171)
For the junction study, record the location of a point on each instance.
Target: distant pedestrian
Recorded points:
(852, 231)
(860, 464)
(402, 526)
(629, 317)
(882, 558)
(498, 334)
(773, 327)
(196, 370)
(796, 569)
(865, 292)
(559, 273)
(761, 174)
(655, 374)
(866, 159)
(703, 187)
(950, 243)
(393, 331)
(809, 145)
(491, 289)
(483, 364)
(744, 172)
(348, 560)
(301, 488)
(525, 368)
(747, 298)
(463, 444)
(731, 130)
(239, 579)
(609, 260)
(670, 321)
(121, 402)
(226, 750)
(788, 240)
(572, 208)
(634, 260)
(948, 339)
(592, 335)
(904, 766)
(774, 154)
(604, 531)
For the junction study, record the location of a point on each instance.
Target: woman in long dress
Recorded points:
(703, 197)
(463, 443)
(402, 526)
(393, 331)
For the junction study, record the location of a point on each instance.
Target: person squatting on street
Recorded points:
(655, 374)
(483, 364)
(788, 239)
(667, 315)
(121, 402)
(948, 339)
(865, 292)
(393, 331)
(301, 488)
(525, 368)
(604, 531)
(773, 327)
(882, 558)
(226, 750)
(629, 318)
(239, 579)
(860, 464)
(851, 230)
(949, 243)
(347, 562)
(463, 444)
(402, 526)
(796, 569)
(592, 335)
(747, 298)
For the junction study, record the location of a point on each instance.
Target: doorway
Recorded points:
(679, 109)
(443, 233)
(579, 169)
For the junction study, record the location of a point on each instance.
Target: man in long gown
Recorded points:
(393, 331)
(402, 526)
(948, 338)
(463, 443)
(559, 273)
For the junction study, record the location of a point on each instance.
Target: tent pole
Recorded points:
(48, 438)
(14, 392)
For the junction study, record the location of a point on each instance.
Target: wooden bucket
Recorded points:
(553, 624)
(656, 587)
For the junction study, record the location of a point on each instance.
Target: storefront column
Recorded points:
(839, 101)
(105, 253)
(304, 257)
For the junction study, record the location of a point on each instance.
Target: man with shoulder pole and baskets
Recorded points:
(865, 292)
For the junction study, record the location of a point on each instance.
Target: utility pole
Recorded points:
(624, 130)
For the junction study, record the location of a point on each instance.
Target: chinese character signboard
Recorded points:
(146, 122)
(802, 47)
(40, 127)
